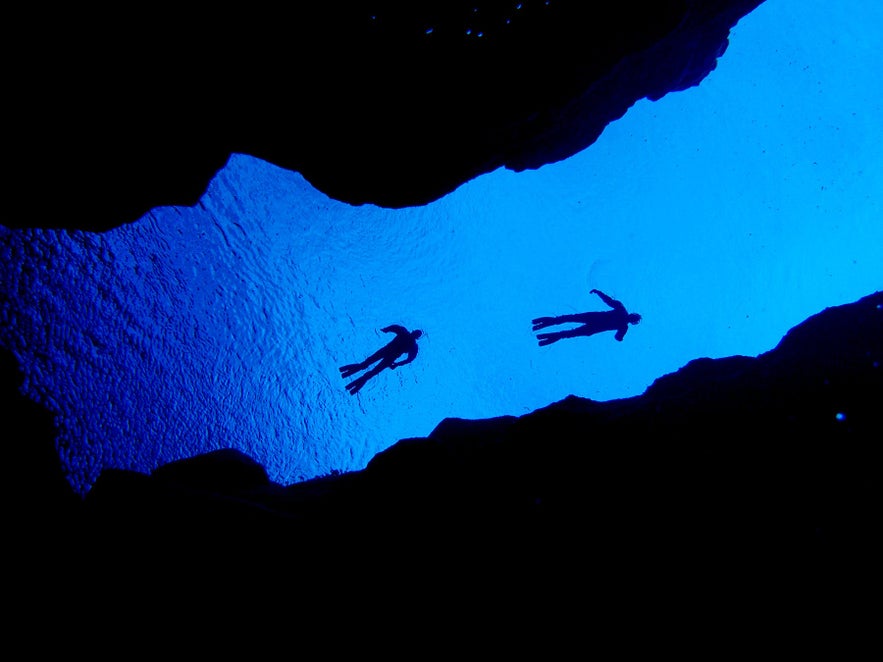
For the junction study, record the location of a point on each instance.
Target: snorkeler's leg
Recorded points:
(352, 368)
(543, 322)
(354, 386)
(575, 318)
(549, 338)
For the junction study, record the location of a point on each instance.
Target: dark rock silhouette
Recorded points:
(735, 497)
(362, 98)
(724, 482)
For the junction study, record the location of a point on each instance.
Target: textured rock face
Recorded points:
(810, 401)
(728, 476)
(388, 103)
(759, 471)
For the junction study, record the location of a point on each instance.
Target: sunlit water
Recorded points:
(724, 214)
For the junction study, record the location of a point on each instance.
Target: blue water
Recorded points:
(724, 214)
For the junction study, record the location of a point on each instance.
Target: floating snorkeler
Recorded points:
(617, 319)
(405, 342)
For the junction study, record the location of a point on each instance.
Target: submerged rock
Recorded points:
(394, 104)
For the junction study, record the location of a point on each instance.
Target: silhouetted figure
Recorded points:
(617, 320)
(405, 342)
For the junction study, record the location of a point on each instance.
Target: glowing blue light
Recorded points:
(224, 324)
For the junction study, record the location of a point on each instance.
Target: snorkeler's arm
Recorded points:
(620, 332)
(410, 357)
(613, 303)
(394, 328)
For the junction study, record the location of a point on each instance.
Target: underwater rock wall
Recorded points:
(394, 104)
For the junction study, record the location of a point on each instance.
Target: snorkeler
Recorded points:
(405, 342)
(617, 319)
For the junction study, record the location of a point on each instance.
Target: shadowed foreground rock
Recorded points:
(729, 482)
(742, 491)
(374, 101)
